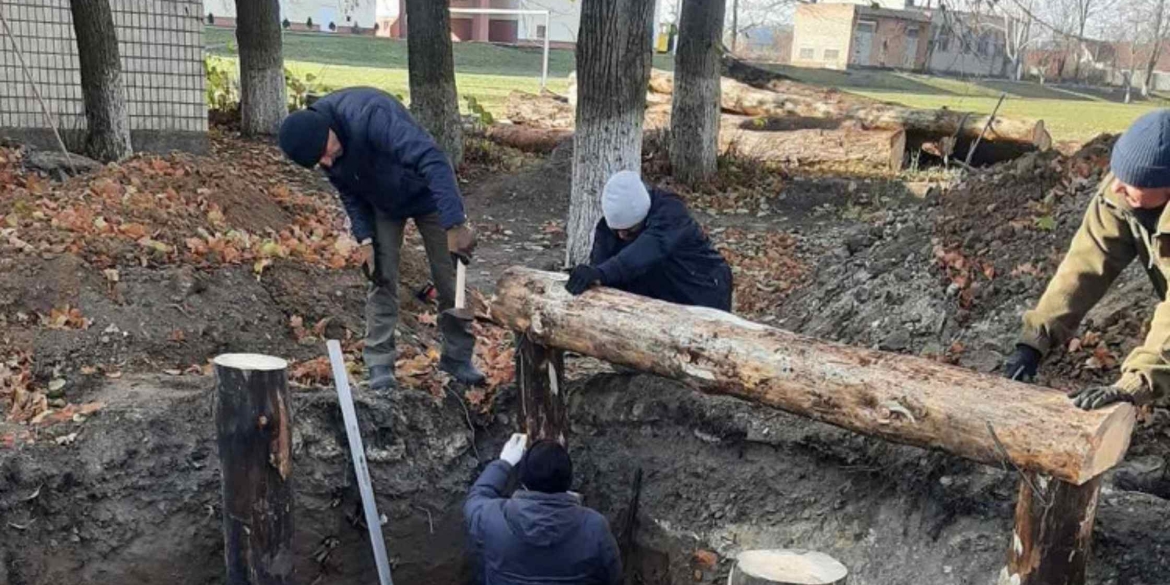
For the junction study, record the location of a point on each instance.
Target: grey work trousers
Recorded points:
(382, 299)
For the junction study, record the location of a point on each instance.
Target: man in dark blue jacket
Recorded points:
(648, 244)
(542, 534)
(387, 170)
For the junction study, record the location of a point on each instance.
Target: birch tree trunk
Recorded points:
(263, 101)
(694, 120)
(613, 70)
(106, 117)
(434, 99)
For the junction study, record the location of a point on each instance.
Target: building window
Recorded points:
(984, 45)
(912, 33)
(832, 54)
(866, 26)
(540, 31)
(808, 54)
(944, 41)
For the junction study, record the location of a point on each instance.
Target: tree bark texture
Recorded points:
(434, 99)
(843, 143)
(107, 119)
(263, 96)
(787, 567)
(694, 119)
(613, 67)
(540, 377)
(1054, 527)
(904, 399)
(882, 149)
(254, 430)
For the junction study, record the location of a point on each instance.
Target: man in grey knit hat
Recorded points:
(648, 244)
(1126, 219)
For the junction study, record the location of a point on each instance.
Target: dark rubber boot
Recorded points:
(382, 379)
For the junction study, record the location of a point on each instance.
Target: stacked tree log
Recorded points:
(787, 121)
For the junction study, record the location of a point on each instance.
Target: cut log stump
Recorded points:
(787, 567)
(255, 442)
(1054, 526)
(540, 376)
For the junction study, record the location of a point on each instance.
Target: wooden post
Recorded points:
(786, 567)
(540, 375)
(255, 442)
(1054, 526)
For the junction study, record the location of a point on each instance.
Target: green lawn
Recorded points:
(489, 72)
(485, 71)
(1069, 113)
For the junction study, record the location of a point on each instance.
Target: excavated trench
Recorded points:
(134, 498)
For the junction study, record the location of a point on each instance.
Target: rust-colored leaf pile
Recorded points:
(175, 209)
(765, 268)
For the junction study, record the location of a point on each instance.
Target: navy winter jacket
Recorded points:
(671, 259)
(535, 538)
(388, 162)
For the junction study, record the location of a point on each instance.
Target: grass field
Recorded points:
(489, 72)
(1069, 113)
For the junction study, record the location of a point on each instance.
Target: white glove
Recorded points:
(514, 448)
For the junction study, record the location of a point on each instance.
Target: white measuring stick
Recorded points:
(460, 284)
(373, 520)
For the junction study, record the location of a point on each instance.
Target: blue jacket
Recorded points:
(671, 259)
(388, 162)
(535, 538)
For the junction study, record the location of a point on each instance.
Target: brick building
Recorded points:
(843, 35)
(161, 43)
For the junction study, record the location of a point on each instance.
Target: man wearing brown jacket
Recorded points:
(1126, 219)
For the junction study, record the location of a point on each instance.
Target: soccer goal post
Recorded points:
(518, 12)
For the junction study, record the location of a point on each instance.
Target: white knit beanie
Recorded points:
(624, 201)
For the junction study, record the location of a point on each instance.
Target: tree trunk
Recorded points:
(734, 25)
(254, 431)
(1156, 49)
(1054, 527)
(540, 110)
(899, 398)
(434, 99)
(843, 143)
(787, 567)
(920, 125)
(527, 138)
(613, 68)
(694, 118)
(540, 377)
(263, 101)
(106, 117)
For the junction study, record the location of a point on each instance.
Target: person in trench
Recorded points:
(1126, 219)
(648, 244)
(542, 533)
(387, 169)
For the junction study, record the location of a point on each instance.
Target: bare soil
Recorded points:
(129, 493)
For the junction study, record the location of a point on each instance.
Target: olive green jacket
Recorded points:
(1110, 237)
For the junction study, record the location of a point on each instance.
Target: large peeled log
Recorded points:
(900, 398)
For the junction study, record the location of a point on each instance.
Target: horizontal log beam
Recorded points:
(900, 398)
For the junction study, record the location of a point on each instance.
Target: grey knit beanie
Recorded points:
(624, 201)
(1141, 157)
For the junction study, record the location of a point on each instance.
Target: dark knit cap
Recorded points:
(546, 467)
(303, 137)
(1141, 157)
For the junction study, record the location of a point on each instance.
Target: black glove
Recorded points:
(1095, 397)
(582, 278)
(1023, 363)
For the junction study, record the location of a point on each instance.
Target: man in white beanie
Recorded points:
(648, 244)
